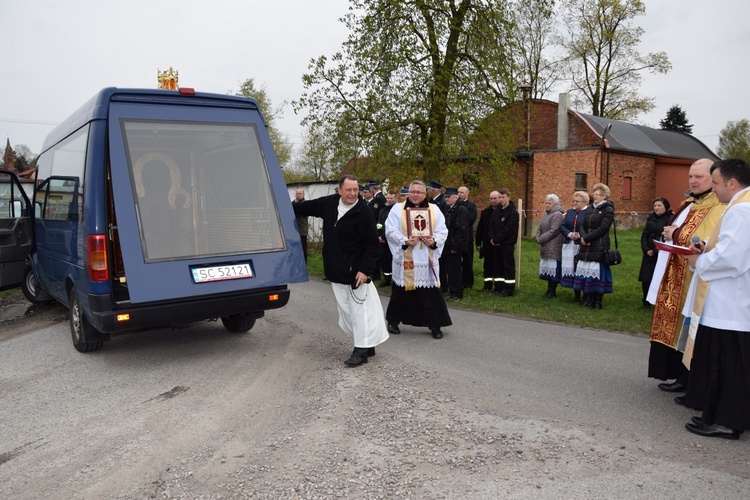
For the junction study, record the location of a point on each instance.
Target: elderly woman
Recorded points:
(551, 241)
(593, 276)
(652, 231)
(571, 232)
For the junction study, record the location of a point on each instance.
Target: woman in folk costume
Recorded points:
(551, 241)
(593, 276)
(570, 229)
(416, 299)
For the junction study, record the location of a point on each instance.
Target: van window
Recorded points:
(59, 200)
(200, 189)
(66, 161)
(12, 203)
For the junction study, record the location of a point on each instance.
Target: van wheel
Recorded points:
(80, 327)
(31, 290)
(239, 323)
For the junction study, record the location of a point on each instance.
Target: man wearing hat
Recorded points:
(457, 222)
(434, 189)
(376, 203)
(386, 257)
(403, 194)
(377, 198)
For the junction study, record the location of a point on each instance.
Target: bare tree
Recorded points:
(534, 34)
(603, 59)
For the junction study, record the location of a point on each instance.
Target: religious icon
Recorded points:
(418, 222)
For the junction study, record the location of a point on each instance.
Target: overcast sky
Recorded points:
(56, 55)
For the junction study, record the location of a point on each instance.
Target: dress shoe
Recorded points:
(393, 329)
(356, 360)
(437, 334)
(697, 420)
(673, 387)
(370, 352)
(712, 430)
(680, 400)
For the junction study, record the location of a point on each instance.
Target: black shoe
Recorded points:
(712, 430)
(680, 400)
(437, 334)
(370, 352)
(357, 359)
(506, 293)
(393, 329)
(697, 420)
(673, 387)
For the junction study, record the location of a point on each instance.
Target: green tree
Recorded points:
(676, 120)
(25, 159)
(603, 59)
(280, 141)
(412, 82)
(734, 140)
(316, 155)
(533, 31)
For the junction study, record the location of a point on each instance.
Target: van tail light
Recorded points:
(96, 251)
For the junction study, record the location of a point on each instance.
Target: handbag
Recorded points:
(612, 257)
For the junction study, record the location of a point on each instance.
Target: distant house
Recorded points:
(563, 151)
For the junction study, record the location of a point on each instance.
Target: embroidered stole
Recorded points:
(667, 319)
(701, 286)
(409, 252)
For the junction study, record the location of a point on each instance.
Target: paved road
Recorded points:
(500, 407)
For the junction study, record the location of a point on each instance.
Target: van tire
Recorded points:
(80, 328)
(31, 290)
(239, 323)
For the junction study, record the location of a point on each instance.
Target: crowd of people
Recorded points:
(421, 240)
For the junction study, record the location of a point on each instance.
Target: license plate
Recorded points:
(221, 273)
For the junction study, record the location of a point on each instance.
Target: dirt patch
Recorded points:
(19, 317)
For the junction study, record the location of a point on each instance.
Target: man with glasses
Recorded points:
(416, 234)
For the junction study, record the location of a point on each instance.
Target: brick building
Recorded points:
(563, 151)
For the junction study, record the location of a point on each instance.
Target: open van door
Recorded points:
(16, 230)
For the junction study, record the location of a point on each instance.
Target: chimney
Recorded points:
(562, 121)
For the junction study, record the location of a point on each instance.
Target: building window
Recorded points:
(581, 182)
(627, 187)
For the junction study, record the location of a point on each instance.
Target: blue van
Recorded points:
(151, 209)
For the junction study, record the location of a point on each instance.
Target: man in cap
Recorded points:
(457, 222)
(467, 258)
(403, 194)
(434, 189)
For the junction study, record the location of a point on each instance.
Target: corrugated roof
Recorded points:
(640, 139)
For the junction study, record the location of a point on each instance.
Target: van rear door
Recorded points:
(16, 230)
(201, 205)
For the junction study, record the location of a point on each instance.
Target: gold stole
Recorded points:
(667, 319)
(701, 288)
(409, 252)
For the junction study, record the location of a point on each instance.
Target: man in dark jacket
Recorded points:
(457, 222)
(386, 257)
(483, 241)
(435, 190)
(503, 233)
(350, 251)
(467, 258)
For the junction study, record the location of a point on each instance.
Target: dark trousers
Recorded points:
(467, 267)
(488, 269)
(450, 274)
(504, 270)
(304, 246)
(386, 259)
